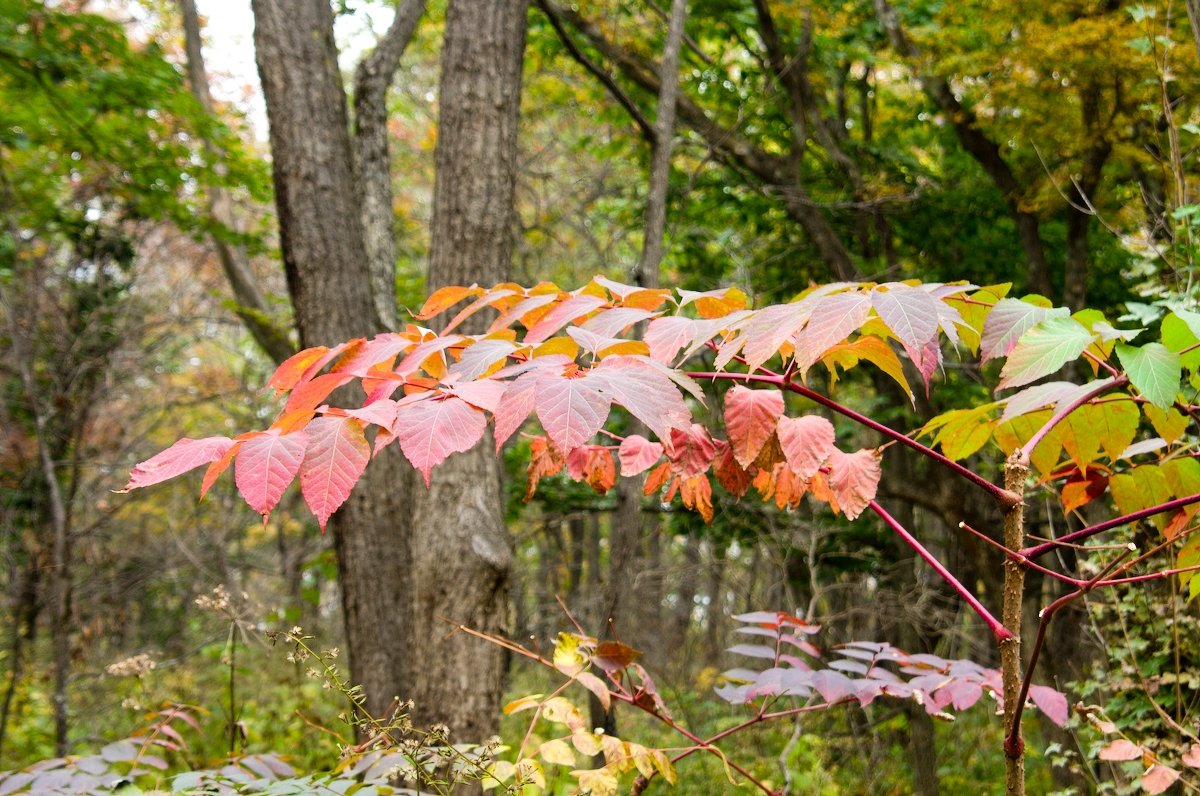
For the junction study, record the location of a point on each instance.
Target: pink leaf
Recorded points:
(667, 336)
(638, 454)
(691, 450)
(478, 358)
(911, 314)
(335, 458)
(615, 321)
(571, 410)
(833, 319)
(1007, 321)
(1158, 778)
(431, 430)
(485, 393)
(1121, 749)
(750, 418)
(412, 363)
(644, 390)
(854, 477)
(381, 413)
(184, 455)
(266, 465)
(832, 685)
(807, 443)
(381, 348)
(515, 406)
(561, 315)
(766, 331)
(522, 307)
(1191, 758)
(1051, 702)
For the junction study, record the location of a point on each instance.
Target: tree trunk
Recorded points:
(325, 259)
(251, 306)
(372, 159)
(460, 548)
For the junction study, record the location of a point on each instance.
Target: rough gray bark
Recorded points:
(372, 159)
(251, 306)
(461, 553)
(325, 259)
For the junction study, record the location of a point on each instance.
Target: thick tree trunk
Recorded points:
(325, 258)
(460, 547)
(251, 306)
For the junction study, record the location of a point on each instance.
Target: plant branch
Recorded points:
(1115, 522)
(1062, 412)
(998, 629)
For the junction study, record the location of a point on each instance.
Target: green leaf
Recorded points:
(1154, 369)
(1044, 349)
(1141, 488)
(1181, 330)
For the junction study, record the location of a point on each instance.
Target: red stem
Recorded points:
(1062, 412)
(998, 630)
(1115, 522)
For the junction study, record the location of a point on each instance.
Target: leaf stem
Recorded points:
(1115, 522)
(998, 629)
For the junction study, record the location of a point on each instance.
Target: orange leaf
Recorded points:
(658, 476)
(445, 298)
(697, 496)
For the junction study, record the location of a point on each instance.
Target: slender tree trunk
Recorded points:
(25, 613)
(372, 158)
(250, 304)
(325, 259)
(460, 548)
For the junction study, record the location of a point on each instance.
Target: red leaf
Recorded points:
(807, 442)
(431, 430)
(912, 314)
(544, 459)
(750, 418)
(1121, 749)
(184, 455)
(853, 479)
(335, 458)
(265, 467)
(1080, 491)
(691, 450)
(638, 454)
(833, 319)
(571, 410)
(729, 473)
(613, 655)
(1158, 778)
(1051, 702)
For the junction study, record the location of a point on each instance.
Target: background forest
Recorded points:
(166, 245)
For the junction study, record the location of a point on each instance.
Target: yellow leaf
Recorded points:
(588, 743)
(557, 345)
(557, 751)
(524, 703)
(597, 782)
(568, 657)
(625, 348)
(560, 711)
(529, 772)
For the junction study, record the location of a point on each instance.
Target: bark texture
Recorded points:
(372, 158)
(325, 258)
(251, 305)
(460, 547)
